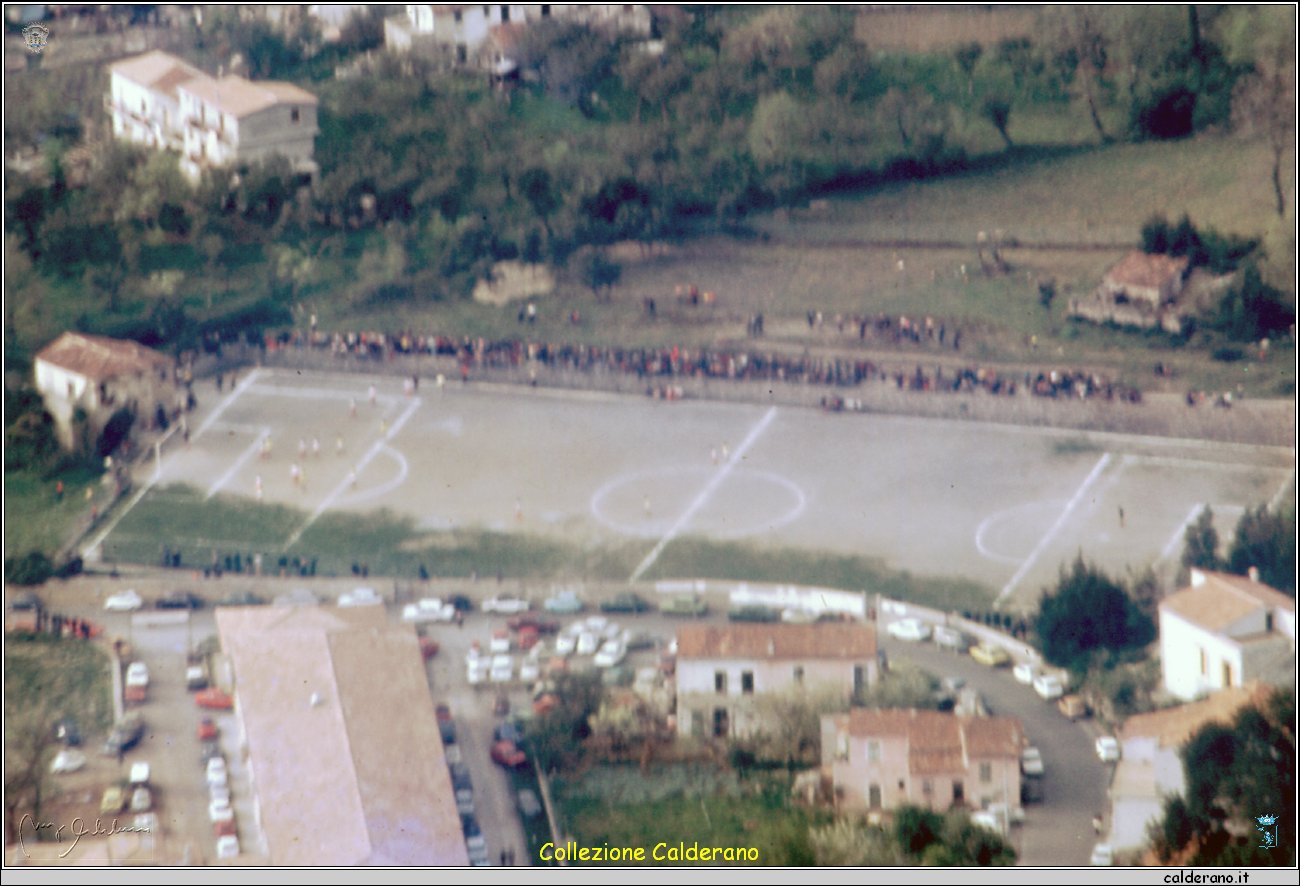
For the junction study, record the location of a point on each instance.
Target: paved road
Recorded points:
(1057, 831)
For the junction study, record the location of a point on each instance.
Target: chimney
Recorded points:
(1253, 573)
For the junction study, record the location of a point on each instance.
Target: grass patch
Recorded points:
(624, 806)
(1074, 446)
(392, 545)
(698, 558)
(61, 677)
(35, 520)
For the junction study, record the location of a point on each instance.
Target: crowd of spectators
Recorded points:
(664, 368)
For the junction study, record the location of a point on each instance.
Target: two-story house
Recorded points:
(880, 759)
(1225, 630)
(1151, 767)
(722, 669)
(93, 376)
(159, 101)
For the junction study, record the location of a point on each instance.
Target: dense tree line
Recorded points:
(1264, 539)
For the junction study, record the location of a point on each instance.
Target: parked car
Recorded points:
(113, 800)
(1025, 672)
(227, 846)
(506, 753)
(588, 643)
(610, 654)
(137, 674)
(1103, 855)
(141, 799)
(475, 842)
(214, 698)
(1108, 748)
(1049, 687)
(126, 734)
(635, 640)
(1031, 762)
(216, 772)
(505, 605)
(220, 810)
(67, 760)
(428, 648)
(507, 730)
(564, 603)
(125, 601)
(179, 600)
(461, 603)
(500, 642)
(912, 630)
(68, 731)
(626, 602)
(762, 614)
(447, 729)
(536, 623)
(529, 805)
(429, 609)
(566, 644)
(460, 779)
(140, 773)
(465, 801)
(1073, 707)
(950, 638)
(442, 711)
(361, 597)
(196, 676)
(988, 654)
(685, 604)
(208, 750)
(207, 729)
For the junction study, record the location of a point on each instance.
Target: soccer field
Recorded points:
(999, 505)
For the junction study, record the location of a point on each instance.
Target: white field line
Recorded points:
(1055, 528)
(1172, 545)
(346, 482)
(97, 540)
(1281, 491)
(706, 493)
(316, 394)
(238, 463)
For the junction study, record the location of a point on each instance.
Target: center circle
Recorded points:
(652, 503)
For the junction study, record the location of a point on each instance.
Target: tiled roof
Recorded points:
(157, 70)
(822, 640)
(1216, 600)
(100, 359)
(940, 742)
(343, 745)
(239, 97)
(1173, 726)
(1148, 270)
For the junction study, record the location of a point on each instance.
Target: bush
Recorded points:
(32, 568)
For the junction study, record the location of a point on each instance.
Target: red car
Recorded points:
(207, 729)
(428, 648)
(225, 828)
(506, 753)
(528, 638)
(215, 699)
(535, 622)
(442, 712)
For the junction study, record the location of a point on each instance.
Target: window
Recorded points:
(1205, 663)
(721, 723)
(841, 745)
(505, 13)
(986, 772)
(927, 787)
(958, 792)
(1227, 675)
(859, 679)
(720, 682)
(455, 16)
(873, 796)
(546, 10)
(902, 784)
(873, 752)
(294, 116)
(747, 682)
(798, 674)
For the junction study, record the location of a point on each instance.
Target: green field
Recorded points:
(35, 520)
(48, 678)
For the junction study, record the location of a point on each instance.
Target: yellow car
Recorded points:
(113, 801)
(993, 656)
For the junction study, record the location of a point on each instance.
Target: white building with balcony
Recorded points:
(161, 102)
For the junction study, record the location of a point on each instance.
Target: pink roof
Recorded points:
(240, 98)
(99, 359)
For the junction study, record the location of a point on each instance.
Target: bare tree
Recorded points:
(29, 735)
(1264, 105)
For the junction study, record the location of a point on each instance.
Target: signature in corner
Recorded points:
(75, 829)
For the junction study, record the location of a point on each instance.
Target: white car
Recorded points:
(987, 819)
(1108, 749)
(361, 597)
(140, 773)
(500, 642)
(430, 609)
(476, 673)
(126, 601)
(610, 654)
(219, 810)
(505, 605)
(1103, 855)
(503, 669)
(227, 846)
(1025, 672)
(529, 670)
(588, 643)
(565, 644)
(67, 760)
(911, 629)
(1049, 687)
(1031, 761)
(217, 773)
(219, 793)
(137, 674)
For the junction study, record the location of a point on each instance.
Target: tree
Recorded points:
(845, 843)
(1233, 773)
(1200, 544)
(1266, 540)
(997, 110)
(1252, 309)
(1089, 613)
(539, 190)
(601, 273)
(916, 828)
(1264, 102)
(556, 737)
(791, 726)
(29, 735)
(1083, 45)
